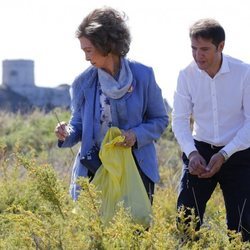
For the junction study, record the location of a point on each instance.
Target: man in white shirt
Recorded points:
(214, 92)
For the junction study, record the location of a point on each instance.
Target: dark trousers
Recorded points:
(148, 184)
(233, 178)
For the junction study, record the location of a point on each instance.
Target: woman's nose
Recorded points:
(87, 57)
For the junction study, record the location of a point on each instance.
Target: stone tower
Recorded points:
(18, 73)
(18, 77)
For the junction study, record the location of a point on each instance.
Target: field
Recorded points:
(36, 211)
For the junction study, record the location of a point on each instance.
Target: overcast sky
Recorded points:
(43, 30)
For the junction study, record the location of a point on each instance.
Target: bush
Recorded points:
(36, 211)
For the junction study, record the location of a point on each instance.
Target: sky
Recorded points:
(44, 31)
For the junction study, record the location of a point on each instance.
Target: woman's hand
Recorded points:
(61, 131)
(129, 141)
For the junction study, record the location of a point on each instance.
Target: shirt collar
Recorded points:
(224, 66)
(223, 69)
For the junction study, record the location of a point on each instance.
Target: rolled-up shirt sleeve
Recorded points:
(181, 116)
(241, 140)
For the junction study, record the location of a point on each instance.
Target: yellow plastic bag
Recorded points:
(119, 181)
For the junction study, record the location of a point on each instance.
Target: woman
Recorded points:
(113, 92)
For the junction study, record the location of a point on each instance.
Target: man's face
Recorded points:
(206, 55)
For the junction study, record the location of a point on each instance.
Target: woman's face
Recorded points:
(92, 54)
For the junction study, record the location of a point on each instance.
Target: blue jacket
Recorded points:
(142, 110)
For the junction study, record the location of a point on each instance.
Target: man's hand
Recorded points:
(213, 166)
(197, 164)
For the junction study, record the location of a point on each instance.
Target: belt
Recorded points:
(205, 144)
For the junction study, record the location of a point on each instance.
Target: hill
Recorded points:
(13, 102)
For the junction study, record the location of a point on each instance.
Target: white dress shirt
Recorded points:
(220, 107)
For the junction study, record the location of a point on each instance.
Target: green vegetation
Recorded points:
(36, 211)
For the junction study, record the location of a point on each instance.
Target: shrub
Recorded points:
(36, 211)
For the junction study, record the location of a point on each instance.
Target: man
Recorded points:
(214, 90)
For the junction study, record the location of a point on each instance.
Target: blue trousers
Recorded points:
(233, 178)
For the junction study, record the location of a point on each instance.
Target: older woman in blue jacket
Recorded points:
(114, 91)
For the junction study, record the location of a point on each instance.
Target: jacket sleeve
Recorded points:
(155, 119)
(75, 121)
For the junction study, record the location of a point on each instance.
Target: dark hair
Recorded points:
(208, 29)
(107, 30)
